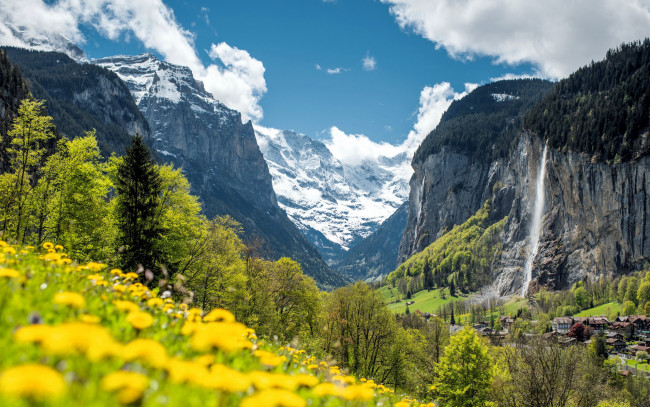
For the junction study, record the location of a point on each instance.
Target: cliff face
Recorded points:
(595, 218)
(219, 155)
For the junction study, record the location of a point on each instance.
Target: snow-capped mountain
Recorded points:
(219, 155)
(17, 36)
(333, 203)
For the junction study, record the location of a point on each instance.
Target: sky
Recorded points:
(373, 75)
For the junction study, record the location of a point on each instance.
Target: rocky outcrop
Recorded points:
(595, 214)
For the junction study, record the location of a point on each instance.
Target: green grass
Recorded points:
(638, 365)
(604, 309)
(425, 301)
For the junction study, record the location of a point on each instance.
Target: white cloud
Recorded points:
(369, 63)
(335, 71)
(354, 149)
(238, 80)
(434, 101)
(557, 36)
(318, 67)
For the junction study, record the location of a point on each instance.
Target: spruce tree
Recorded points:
(138, 187)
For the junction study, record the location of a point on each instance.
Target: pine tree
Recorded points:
(138, 187)
(452, 321)
(428, 276)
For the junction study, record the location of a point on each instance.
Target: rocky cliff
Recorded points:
(594, 221)
(219, 155)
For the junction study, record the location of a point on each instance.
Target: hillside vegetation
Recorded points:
(484, 124)
(459, 259)
(601, 109)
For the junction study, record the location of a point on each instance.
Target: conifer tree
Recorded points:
(138, 187)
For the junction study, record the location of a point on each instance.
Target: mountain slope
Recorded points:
(376, 255)
(219, 155)
(82, 97)
(334, 204)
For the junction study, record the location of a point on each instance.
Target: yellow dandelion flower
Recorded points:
(273, 398)
(183, 371)
(189, 328)
(205, 360)
(139, 320)
(48, 245)
(183, 307)
(70, 299)
(9, 250)
(155, 302)
(96, 277)
(357, 392)
(129, 386)
(147, 350)
(326, 389)
(312, 366)
(9, 273)
(119, 288)
(268, 358)
(131, 276)
(3, 243)
(266, 380)
(92, 266)
(305, 380)
(226, 379)
(34, 381)
(402, 403)
(90, 319)
(116, 272)
(225, 336)
(127, 306)
(219, 315)
(58, 247)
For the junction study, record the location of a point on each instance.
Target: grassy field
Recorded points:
(425, 301)
(638, 365)
(605, 309)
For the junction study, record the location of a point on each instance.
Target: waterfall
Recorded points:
(536, 224)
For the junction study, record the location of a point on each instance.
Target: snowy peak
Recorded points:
(333, 203)
(22, 37)
(147, 76)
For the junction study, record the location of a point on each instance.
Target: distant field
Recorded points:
(425, 301)
(605, 309)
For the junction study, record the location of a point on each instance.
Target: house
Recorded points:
(598, 324)
(616, 344)
(622, 327)
(641, 323)
(614, 335)
(639, 348)
(506, 322)
(562, 324)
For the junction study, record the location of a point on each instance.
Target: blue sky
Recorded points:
(272, 60)
(292, 37)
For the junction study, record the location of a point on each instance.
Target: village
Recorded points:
(626, 337)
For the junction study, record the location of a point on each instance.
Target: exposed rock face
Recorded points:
(445, 190)
(595, 214)
(219, 155)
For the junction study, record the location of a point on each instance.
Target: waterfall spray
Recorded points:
(536, 224)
